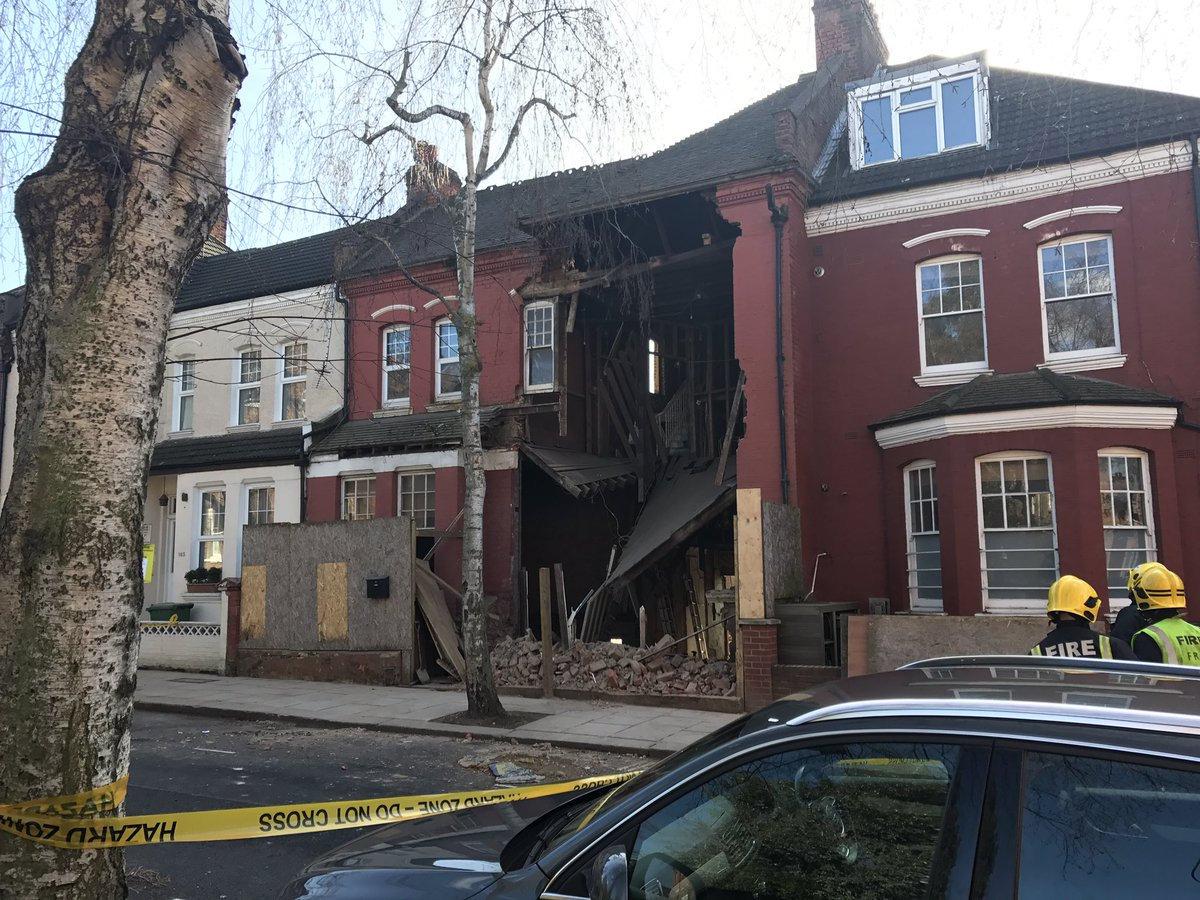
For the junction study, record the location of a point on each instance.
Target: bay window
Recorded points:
(1127, 515)
(248, 387)
(449, 382)
(293, 381)
(1018, 544)
(1079, 301)
(539, 346)
(924, 538)
(397, 359)
(952, 331)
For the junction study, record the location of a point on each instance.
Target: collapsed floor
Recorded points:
(619, 668)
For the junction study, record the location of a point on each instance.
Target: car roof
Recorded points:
(1119, 693)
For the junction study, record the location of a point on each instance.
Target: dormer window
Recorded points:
(916, 114)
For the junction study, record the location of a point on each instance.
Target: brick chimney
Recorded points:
(216, 241)
(427, 180)
(849, 27)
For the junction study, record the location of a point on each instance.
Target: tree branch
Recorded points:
(516, 129)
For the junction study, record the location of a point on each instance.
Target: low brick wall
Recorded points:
(786, 680)
(884, 643)
(360, 667)
(757, 655)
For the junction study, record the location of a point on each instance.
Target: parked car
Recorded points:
(982, 777)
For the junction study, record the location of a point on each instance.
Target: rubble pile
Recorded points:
(614, 667)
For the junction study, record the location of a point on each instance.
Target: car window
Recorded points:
(1107, 828)
(851, 821)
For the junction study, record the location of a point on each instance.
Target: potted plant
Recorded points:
(202, 580)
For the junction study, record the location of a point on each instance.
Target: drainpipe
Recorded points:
(1196, 180)
(779, 216)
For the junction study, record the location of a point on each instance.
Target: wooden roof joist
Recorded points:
(568, 283)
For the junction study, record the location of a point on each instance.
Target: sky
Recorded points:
(704, 60)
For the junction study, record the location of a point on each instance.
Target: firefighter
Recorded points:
(1072, 606)
(1167, 637)
(1130, 620)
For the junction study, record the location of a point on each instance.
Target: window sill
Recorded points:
(1085, 363)
(939, 379)
(234, 429)
(450, 401)
(181, 433)
(540, 389)
(391, 411)
(289, 423)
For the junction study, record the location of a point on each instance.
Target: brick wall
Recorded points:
(758, 652)
(787, 680)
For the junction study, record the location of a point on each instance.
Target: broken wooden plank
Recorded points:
(574, 308)
(432, 603)
(547, 640)
(560, 591)
(730, 425)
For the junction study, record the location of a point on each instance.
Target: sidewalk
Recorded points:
(655, 730)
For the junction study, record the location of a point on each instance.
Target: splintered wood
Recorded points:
(432, 603)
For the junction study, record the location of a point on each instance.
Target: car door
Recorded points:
(1065, 822)
(833, 818)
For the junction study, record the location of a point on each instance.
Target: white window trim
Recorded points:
(238, 386)
(200, 536)
(247, 487)
(402, 402)
(914, 603)
(934, 77)
(438, 361)
(400, 473)
(530, 387)
(1106, 356)
(972, 368)
(178, 393)
(1116, 603)
(1013, 607)
(345, 480)
(285, 379)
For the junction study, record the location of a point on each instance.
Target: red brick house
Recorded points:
(919, 332)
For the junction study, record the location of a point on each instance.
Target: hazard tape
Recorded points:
(79, 821)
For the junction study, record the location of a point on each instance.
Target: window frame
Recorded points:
(180, 393)
(951, 368)
(431, 495)
(438, 362)
(532, 387)
(915, 604)
(247, 489)
(240, 386)
(386, 367)
(201, 536)
(344, 482)
(1008, 606)
(895, 86)
(285, 380)
(1096, 352)
(1121, 600)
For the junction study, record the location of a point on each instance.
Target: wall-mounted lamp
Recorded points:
(164, 500)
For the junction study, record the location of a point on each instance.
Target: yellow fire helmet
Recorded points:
(1073, 595)
(1136, 574)
(1159, 588)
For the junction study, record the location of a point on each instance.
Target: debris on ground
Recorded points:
(619, 668)
(508, 773)
(545, 763)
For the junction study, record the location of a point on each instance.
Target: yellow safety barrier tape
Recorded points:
(78, 822)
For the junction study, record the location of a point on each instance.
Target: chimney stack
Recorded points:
(427, 180)
(849, 27)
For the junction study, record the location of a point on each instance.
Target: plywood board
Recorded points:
(750, 554)
(333, 607)
(432, 603)
(254, 601)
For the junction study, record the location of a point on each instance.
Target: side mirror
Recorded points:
(610, 875)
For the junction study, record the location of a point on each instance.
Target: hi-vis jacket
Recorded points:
(1076, 639)
(1178, 641)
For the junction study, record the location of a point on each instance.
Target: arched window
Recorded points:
(924, 537)
(1018, 542)
(1127, 513)
(397, 358)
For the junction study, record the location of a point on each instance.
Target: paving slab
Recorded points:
(583, 724)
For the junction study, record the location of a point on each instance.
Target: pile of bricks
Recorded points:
(614, 667)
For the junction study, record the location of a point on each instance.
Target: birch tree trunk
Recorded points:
(110, 226)
(482, 699)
